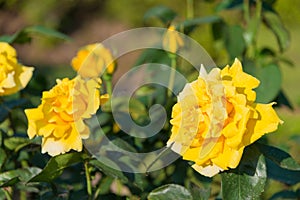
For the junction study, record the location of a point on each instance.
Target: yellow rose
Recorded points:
(216, 117)
(92, 60)
(172, 40)
(13, 76)
(59, 119)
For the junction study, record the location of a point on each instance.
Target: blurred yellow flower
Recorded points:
(92, 60)
(216, 117)
(13, 76)
(172, 40)
(59, 119)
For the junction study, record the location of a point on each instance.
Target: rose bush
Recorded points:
(219, 122)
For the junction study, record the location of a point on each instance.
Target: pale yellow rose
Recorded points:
(59, 119)
(92, 60)
(172, 40)
(13, 76)
(216, 118)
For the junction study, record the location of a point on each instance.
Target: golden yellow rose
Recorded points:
(172, 40)
(92, 60)
(216, 117)
(59, 119)
(13, 76)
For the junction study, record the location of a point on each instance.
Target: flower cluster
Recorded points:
(59, 119)
(216, 117)
(13, 76)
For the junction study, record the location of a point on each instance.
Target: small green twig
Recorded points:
(190, 9)
(23, 194)
(11, 124)
(97, 192)
(7, 194)
(158, 157)
(108, 82)
(246, 7)
(252, 25)
(88, 179)
(258, 9)
(257, 20)
(172, 74)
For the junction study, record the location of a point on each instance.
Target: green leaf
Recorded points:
(7, 106)
(268, 5)
(270, 83)
(274, 171)
(286, 61)
(153, 56)
(122, 144)
(170, 191)
(218, 29)
(28, 173)
(8, 175)
(278, 156)
(7, 38)
(272, 20)
(282, 99)
(104, 186)
(46, 32)
(267, 52)
(56, 166)
(189, 25)
(136, 109)
(247, 181)
(19, 37)
(234, 41)
(10, 182)
(2, 193)
(285, 194)
(16, 143)
(120, 161)
(104, 118)
(110, 171)
(165, 14)
(269, 76)
(238, 4)
(158, 161)
(24, 35)
(2, 157)
(14, 176)
(200, 193)
(229, 4)
(200, 186)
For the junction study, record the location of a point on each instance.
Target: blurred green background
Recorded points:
(95, 20)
